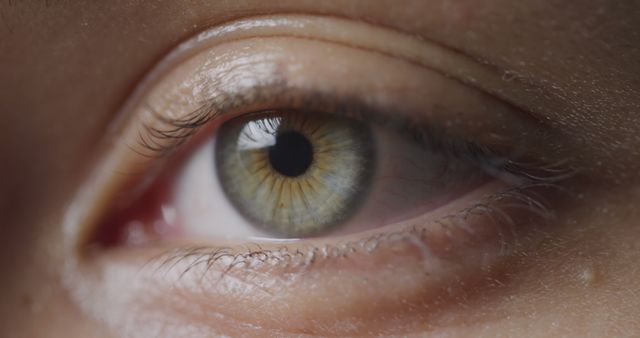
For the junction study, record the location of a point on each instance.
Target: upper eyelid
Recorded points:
(183, 128)
(419, 51)
(215, 104)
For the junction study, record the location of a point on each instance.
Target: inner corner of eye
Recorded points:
(290, 174)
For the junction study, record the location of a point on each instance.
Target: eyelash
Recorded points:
(164, 136)
(162, 141)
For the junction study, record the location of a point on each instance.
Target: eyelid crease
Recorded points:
(416, 50)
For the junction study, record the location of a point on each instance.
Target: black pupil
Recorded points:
(292, 154)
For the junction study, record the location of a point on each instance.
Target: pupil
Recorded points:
(292, 154)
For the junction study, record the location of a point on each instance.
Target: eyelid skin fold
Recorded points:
(298, 62)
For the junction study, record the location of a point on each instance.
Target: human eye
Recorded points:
(263, 172)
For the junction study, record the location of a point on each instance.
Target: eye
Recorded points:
(296, 174)
(275, 163)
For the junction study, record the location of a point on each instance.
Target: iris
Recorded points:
(295, 174)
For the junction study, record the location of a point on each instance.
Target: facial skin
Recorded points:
(67, 67)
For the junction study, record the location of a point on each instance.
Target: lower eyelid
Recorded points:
(206, 278)
(483, 217)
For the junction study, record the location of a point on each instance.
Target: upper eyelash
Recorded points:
(181, 129)
(177, 131)
(271, 96)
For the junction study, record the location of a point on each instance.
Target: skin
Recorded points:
(66, 68)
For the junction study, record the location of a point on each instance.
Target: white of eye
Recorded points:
(201, 205)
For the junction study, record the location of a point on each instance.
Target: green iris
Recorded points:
(295, 174)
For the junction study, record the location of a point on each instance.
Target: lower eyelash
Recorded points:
(498, 208)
